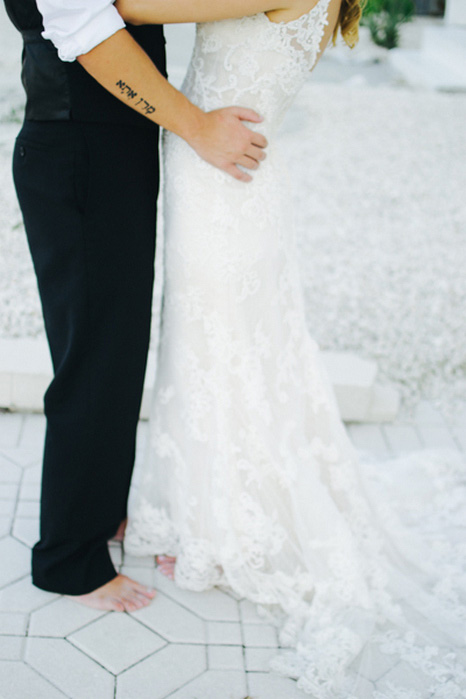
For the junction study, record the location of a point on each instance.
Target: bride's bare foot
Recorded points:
(120, 532)
(166, 564)
(119, 595)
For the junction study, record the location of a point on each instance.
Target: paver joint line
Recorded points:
(45, 678)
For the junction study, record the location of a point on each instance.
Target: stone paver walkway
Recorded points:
(185, 645)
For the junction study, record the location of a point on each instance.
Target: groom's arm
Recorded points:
(93, 32)
(220, 137)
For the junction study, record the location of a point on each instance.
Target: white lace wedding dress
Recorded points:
(250, 478)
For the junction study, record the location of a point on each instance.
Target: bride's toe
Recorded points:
(166, 564)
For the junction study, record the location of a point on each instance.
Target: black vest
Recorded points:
(57, 90)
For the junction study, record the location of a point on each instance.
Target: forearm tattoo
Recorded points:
(131, 95)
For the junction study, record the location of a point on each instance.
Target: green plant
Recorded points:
(384, 17)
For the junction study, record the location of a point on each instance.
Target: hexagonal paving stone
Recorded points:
(257, 659)
(171, 621)
(68, 669)
(8, 491)
(29, 491)
(117, 641)
(224, 684)
(11, 648)
(10, 429)
(261, 635)
(231, 593)
(18, 681)
(16, 560)
(61, 618)
(13, 623)
(145, 576)
(162, 673)
(33, 432)
(9, 472)
(212, 605)
(5, 526)
(138, 561)
(26, 530)
(28, 508)
(271, 686)
(33, 474)
(22, 456)
(23, 596)
(224, 633)
(225, 657)
(7, 508)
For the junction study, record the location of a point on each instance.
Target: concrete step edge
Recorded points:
(26, 371)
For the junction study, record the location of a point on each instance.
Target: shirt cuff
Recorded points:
(88, 36)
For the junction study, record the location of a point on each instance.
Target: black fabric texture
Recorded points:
(88, 196)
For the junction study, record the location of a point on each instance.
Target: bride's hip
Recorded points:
(186, 173)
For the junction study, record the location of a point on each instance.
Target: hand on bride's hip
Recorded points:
(223, 140)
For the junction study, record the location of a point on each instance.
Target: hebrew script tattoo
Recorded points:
(131, 95)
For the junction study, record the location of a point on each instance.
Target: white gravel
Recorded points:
(379, 182)
(380, 205)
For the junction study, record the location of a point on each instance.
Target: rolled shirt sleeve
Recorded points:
(77, 26)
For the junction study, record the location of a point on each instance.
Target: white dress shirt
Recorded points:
(77, 26)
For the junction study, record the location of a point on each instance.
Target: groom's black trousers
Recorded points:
(88, 196)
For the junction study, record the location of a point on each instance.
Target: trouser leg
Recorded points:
(88, 197)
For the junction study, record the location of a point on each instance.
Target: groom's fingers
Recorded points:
(255, 153)
(256, 139)
(245, 114)
(248, 162)
(259, 140)
(238, 174)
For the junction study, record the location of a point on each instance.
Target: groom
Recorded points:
(86, 174)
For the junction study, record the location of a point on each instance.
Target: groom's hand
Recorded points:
(223, 140)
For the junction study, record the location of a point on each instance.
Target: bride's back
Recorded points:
(256, 62)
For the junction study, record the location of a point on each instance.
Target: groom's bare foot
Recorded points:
(119, 595)
(120, 532)
(166, 564)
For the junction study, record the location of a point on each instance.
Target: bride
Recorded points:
(250, 479)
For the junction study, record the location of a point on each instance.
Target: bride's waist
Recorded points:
(271, 115)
